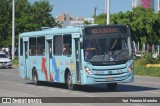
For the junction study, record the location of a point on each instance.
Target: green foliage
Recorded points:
(101, 19)
(87, 23)
(15, 61)
(147, 59)
(144, 24)
(142, 70)
(5, 22)
(28, 17)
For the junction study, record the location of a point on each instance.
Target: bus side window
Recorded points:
(57, 44)
(40, 45)
(67, 44)
(32, 46)
(21, 47)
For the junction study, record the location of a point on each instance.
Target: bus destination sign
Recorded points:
(101, 30)
(104, 30)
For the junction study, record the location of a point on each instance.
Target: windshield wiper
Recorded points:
(115, 42)
(120, 53)
(127, 56)
(112, 47)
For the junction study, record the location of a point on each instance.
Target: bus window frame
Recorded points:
(39, 46)
(55, 43)
(35, 47)
(67, 44)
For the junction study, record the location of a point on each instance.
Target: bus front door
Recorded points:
(49, 60)
(78, 60)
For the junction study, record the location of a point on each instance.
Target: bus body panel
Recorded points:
(23, 58)
(41, 68)
(21, 67)
(52, 68)
(60, 65)
(109, 74)
(125, 78)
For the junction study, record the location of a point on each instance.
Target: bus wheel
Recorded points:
(35, 77)
(69, 82)
(111, 86)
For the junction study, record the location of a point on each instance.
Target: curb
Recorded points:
(153, 65)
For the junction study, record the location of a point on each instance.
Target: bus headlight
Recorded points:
(130, 68)
(88, 71)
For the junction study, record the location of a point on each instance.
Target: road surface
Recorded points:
(11, 85)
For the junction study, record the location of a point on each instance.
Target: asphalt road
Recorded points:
(11, 85)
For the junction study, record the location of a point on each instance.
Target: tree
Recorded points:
(144, 23)
(5, 22)
(101, 19)
(87, 23)
(28, 17)
(41, 14)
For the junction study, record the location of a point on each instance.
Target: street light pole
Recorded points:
(108, 11)
(13, 28)
(106, 6)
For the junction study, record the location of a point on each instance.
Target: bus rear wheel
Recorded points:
(35, 77)
(70, 84)
(112, 86)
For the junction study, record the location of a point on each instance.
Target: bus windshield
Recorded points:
(107, 49)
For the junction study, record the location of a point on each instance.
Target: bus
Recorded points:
(77, 55)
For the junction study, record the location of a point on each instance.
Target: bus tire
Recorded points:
(35, 77)
(112, 86)
(70, 84)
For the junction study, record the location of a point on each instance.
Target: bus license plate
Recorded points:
(110, 78)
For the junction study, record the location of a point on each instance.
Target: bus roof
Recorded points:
(52, 31)
(57, 31)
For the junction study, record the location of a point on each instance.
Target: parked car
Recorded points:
(5, 62)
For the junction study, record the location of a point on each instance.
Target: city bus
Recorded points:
(77, 55)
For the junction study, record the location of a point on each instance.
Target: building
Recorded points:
(158, 4)
(66, 20)
(143, 3)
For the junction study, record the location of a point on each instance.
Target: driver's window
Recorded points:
(124, 44)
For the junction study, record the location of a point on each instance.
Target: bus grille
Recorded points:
(106, 72)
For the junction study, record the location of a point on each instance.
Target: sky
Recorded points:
(85, 8)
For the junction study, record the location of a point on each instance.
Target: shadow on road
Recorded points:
(100, 87)
(10, 68)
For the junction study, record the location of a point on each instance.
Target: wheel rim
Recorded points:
(70, 85)
(35, 79)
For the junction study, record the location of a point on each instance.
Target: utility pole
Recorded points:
(95, 11)
(13, 28)
(107, 5)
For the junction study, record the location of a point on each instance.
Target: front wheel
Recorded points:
(70, 84)
(112, 86)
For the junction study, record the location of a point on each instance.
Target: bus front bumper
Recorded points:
(123, 78)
